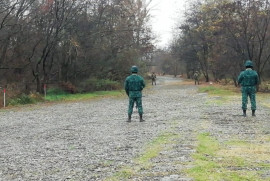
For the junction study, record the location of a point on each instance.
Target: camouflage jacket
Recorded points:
(153, 76)
(248, 77)
(196, 76)
(134, 85)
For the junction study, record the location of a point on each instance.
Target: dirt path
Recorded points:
(92, 140)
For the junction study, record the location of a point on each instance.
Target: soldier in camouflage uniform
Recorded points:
(153, 78)
(134, 85)
(248, 79)
(196, 77)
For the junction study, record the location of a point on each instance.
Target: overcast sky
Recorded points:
(165, 14)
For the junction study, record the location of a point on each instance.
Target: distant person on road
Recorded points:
(134, 85)
(248, 79)
(153, 78)
(196, 77)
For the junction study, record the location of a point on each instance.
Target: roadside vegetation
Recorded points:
(234, 160)
(213, 39)
(92, 88)
(56, 95)
(63, 96)
(218, 90)
(223, 94)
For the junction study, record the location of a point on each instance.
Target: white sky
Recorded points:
(165, 15)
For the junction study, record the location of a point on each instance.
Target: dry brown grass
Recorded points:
(252, 152)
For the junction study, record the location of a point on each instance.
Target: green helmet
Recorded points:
(134, 69)
(248, 63)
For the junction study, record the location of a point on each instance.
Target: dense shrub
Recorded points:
(25, 99)
(95, 84)
(68, 87)
(56, 91)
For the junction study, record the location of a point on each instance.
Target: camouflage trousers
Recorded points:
(138, 101)
(248, 91)
(196, 81)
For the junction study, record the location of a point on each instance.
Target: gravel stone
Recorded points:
(91, 140)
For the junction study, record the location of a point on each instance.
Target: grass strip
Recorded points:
(215, 162)
(85, 96)
(143, 161)
(217, 90)
(219, 94)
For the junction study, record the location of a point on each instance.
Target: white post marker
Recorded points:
(4, 97)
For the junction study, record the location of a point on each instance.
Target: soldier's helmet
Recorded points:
(248, 63)
(134, 69)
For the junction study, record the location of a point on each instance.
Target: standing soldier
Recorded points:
(153, 77)
(248, 79)
(196, 77)
(134, 85)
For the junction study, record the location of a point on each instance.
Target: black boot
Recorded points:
(245, 113)
(141, 119)
(129, 118)
(253, 113)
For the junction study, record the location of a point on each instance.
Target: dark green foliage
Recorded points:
(23, 99)
(94, 84)
(68, 87)
(47, 42)
(56, 91)
(217, 37)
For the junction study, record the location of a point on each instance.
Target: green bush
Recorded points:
(22, 99)
(56, 91)
(94, 84)
(54, 94)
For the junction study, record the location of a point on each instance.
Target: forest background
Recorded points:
(84, 46)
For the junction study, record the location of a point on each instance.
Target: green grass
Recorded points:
(204, 165)
(125, 173)
(219, 94)
(226, 94)
(264, 99)
(154, 148)
(63, 96)
(21, 100)
(207, 145)
(232, 161)
(236, 142)
(216, 90)
(143, 161)
(25, 99)
(54, 95)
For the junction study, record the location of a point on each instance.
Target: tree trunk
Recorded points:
(38, 84)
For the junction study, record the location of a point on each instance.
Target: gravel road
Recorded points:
(91, 140)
